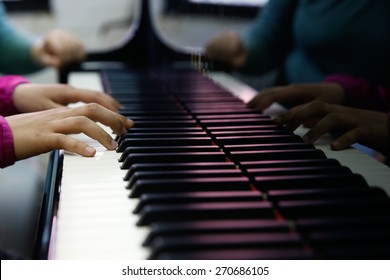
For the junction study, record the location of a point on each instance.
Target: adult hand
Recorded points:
(35, 97)
(228, 48)
(58, 48)
(366, 127)
(41, 132)
(298, 94)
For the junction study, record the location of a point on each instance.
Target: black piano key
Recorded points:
(205, 211)
(177, 123)
(275, 146)
(309, 181)
(243, 110)
(177, 166)
(125, 100)
(207, 98)
(260, 139)
(189, 185)
(137, 119)
(225, 241)
(173, 157)
(318, 193)
(345, 236)
(166, 149)
(359, 251)
(155, 175)
(294, 209)
(170, 229)
(151, 107)
(180, 141)
(164, 129)
(248, 133)
(239, 156)
(232, 122)
(159, 134)
(245, 127)
(187, 197)
(289, 163)
(311, 170)
(337, 223)
(236, 104)
(199, 90)
(240, 254)
(249, 115)
(131, 113)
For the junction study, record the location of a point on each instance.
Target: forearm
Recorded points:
(268, 41)
(360, 93)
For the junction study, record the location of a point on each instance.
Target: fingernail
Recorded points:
(335, 145)
(90, 150)
(114, 144)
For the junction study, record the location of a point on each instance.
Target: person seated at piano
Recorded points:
(24, 54)
(308, 40)
(34, 119)
(357, 108)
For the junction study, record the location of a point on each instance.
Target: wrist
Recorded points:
(36, 52)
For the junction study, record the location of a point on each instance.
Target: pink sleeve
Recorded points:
(361, 93)
(7, 86)
(7, 152)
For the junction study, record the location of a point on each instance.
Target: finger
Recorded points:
(262, 101)
(67, 143)
(328, 123)
(118, 123)
(89, 96)
(287, 94)
(75, 125)
(305, 113)
(285, 117)
(347, 139)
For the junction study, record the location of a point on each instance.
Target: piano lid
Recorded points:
(171, 31)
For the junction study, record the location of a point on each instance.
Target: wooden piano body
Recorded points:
(237, 187)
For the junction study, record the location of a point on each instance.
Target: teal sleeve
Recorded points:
(15, 49)
(270, 37)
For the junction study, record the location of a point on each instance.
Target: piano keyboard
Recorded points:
(201, 176)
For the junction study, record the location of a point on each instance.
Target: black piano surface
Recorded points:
(218, 180)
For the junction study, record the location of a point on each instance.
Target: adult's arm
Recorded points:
(15, 48)
(268, 40)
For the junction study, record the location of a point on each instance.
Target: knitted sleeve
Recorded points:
(7, 86)
(363, 94)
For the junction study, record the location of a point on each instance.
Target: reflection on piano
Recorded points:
(201, 176)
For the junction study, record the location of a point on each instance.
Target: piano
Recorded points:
(201, 175)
